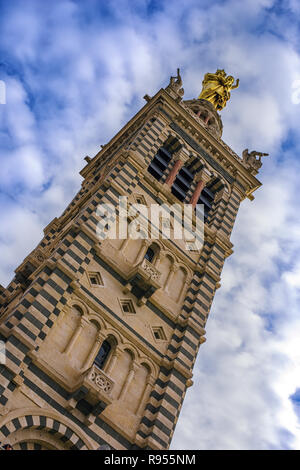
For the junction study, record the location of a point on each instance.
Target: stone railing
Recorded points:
(149, 270)
(99, 380)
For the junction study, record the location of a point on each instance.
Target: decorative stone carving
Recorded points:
(39, 256)
(150, 270)
(175, 86)
(101, 381)
(143, 281)
(251, 162)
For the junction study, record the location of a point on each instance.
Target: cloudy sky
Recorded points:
(75, 72)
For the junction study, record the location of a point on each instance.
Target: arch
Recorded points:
(131, 351)
(152, 252)
(112, 339)
(36, 439)
(113, 333)
(96, 322)
(186, 269)
(48, 421)
(178, 282)
(163, 157)
(153, 370)
(132, 248)
(165, 266)
(78, 309)
(79, 305)
(170, 255)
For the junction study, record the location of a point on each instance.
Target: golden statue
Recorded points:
(216, 87)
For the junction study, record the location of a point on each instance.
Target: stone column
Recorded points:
(75, 335)
(115, 356)
(180, 157)
(174, 172)
(91, 356)
(145, 244)
(173, 270)
(134, 367)
(158, 258)
(146, 393)
(202, 179)
(183, 289)
(206, 119)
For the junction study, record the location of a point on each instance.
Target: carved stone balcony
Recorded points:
(97, 382)
(93, 391)
(144, 280)
(149, 272)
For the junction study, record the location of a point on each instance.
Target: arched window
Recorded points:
(103, 354)
(182, 183)
(207, 196)
(160, 163)
(149, 254)
(152, 252)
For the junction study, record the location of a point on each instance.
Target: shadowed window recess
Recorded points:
(161, 160)
(103, 354)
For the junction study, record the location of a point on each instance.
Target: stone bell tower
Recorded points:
(101, 335)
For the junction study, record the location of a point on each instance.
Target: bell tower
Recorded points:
(101, 332)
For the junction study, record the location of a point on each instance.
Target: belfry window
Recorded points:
(160, 163)
(206, 198)
(182, 183)
(103, 354)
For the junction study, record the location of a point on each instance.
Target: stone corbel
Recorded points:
(190, 322)
(174, 364)
(182, 154)
(204, 175)
(189, 383)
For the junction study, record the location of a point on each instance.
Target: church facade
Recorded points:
(101, 334)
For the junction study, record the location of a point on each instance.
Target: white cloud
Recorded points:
(20, 231)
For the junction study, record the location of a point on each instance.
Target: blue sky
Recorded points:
(75, 72)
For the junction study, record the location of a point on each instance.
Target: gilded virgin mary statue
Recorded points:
(216, 88)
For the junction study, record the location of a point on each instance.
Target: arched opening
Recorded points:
(48, 431)
(103, 353)
(149, 255)
(182, 183)
(152, 252)
(208, 195)
(160, 163)
(163, 157)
